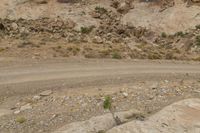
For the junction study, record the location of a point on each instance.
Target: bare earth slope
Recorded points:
(177, 18)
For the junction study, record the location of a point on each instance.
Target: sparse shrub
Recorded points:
(59, 47)
(163, 34)
(198, 40)
(20, 120)
(68, 1)
(101, 131)
(73, 49)
(116, 55)
(100, 10)
(107, 102)
(197, 59)
(154, 56)
(197, 26)
(26, 44)
(86, 30)
(180, 33)
(2, 49)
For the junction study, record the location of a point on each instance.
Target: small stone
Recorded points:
(95, 14)
(14, 26)
(166, 81)
(154, 86)
(125, 94)
(17, 112)
(54, 116)
(26, 107)
(197, 91)
(97, 39)
(46, 93)
(36, 97)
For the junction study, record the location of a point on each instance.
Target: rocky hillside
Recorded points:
(100, 29)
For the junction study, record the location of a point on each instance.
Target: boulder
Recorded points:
(180, 117)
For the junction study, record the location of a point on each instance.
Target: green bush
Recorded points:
(107, 103)
(163, 34)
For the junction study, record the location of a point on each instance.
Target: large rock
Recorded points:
(180, 117)
(93, 125)
(99, 123)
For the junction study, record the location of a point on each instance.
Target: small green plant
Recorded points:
(163, 34)
(197, 26)
(86, 30)
(107, 102)
(20, 120)
(116, 55)
(100, 10)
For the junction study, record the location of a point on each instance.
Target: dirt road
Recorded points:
(30, 77)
